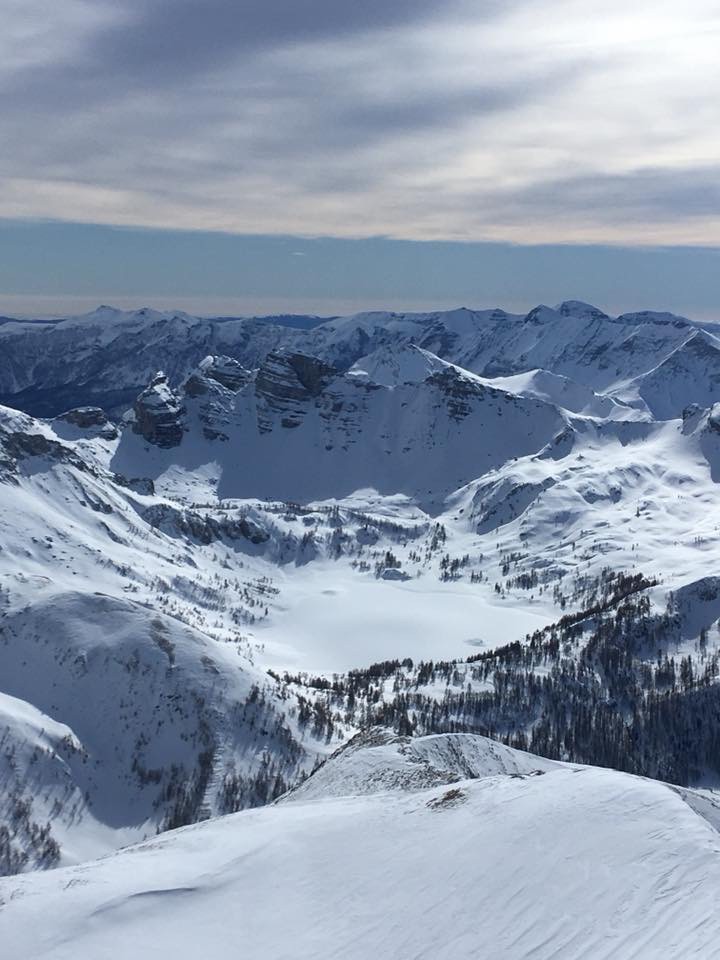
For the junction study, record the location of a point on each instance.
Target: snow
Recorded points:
(330, 620)
(140, 615)
(573, 863)
(564, 392)
(388, 368)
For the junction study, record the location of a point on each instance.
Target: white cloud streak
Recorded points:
(553, 121)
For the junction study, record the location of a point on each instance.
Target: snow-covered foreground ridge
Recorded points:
(528, 860)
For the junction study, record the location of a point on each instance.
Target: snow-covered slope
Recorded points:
(155, 716)
(407, 363)
(564, 393)
(377, 761)
(336, 433)
(351, 505)
(573, 863)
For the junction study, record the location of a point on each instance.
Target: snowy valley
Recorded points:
(388, 587)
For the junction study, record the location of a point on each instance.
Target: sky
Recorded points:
(326, 155)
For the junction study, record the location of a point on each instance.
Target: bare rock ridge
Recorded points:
(285, 382)
(223, 370)
(92, 420)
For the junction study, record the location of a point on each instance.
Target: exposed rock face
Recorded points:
(143, 485)
(16, 446)
(204, 528)
(159, 414)
(91, 419)
(226, 371)
(713, 418)
(223, 370)
(460, 392)
(213, 385)
(293, 376)
(284, 385)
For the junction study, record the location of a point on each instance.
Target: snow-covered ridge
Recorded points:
(106, 357)
(407, 363)
(377, 761)
(574, 863)
(565, 393)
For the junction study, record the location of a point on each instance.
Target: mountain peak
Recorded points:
(581, 310)
(541, 314)
(393, 365)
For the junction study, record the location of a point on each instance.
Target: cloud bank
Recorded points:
(526, 121)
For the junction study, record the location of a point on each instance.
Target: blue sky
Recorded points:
(56, 267)
(537, 148)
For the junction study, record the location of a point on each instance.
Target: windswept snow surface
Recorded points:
(555, 861)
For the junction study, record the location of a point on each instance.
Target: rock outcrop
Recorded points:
(204, 528)
(91, 419)
(223, 370)
(285, 383)
(159, 413)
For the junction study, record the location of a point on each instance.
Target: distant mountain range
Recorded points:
(105, 357)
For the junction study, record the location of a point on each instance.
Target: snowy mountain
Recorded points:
(232, 544)
(340, 433)
(526, 859)
(106, 357)
(130, 699)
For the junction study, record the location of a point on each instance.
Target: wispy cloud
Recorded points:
(567, 120)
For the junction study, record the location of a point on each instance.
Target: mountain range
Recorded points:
(408, 577)
(107, 356)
